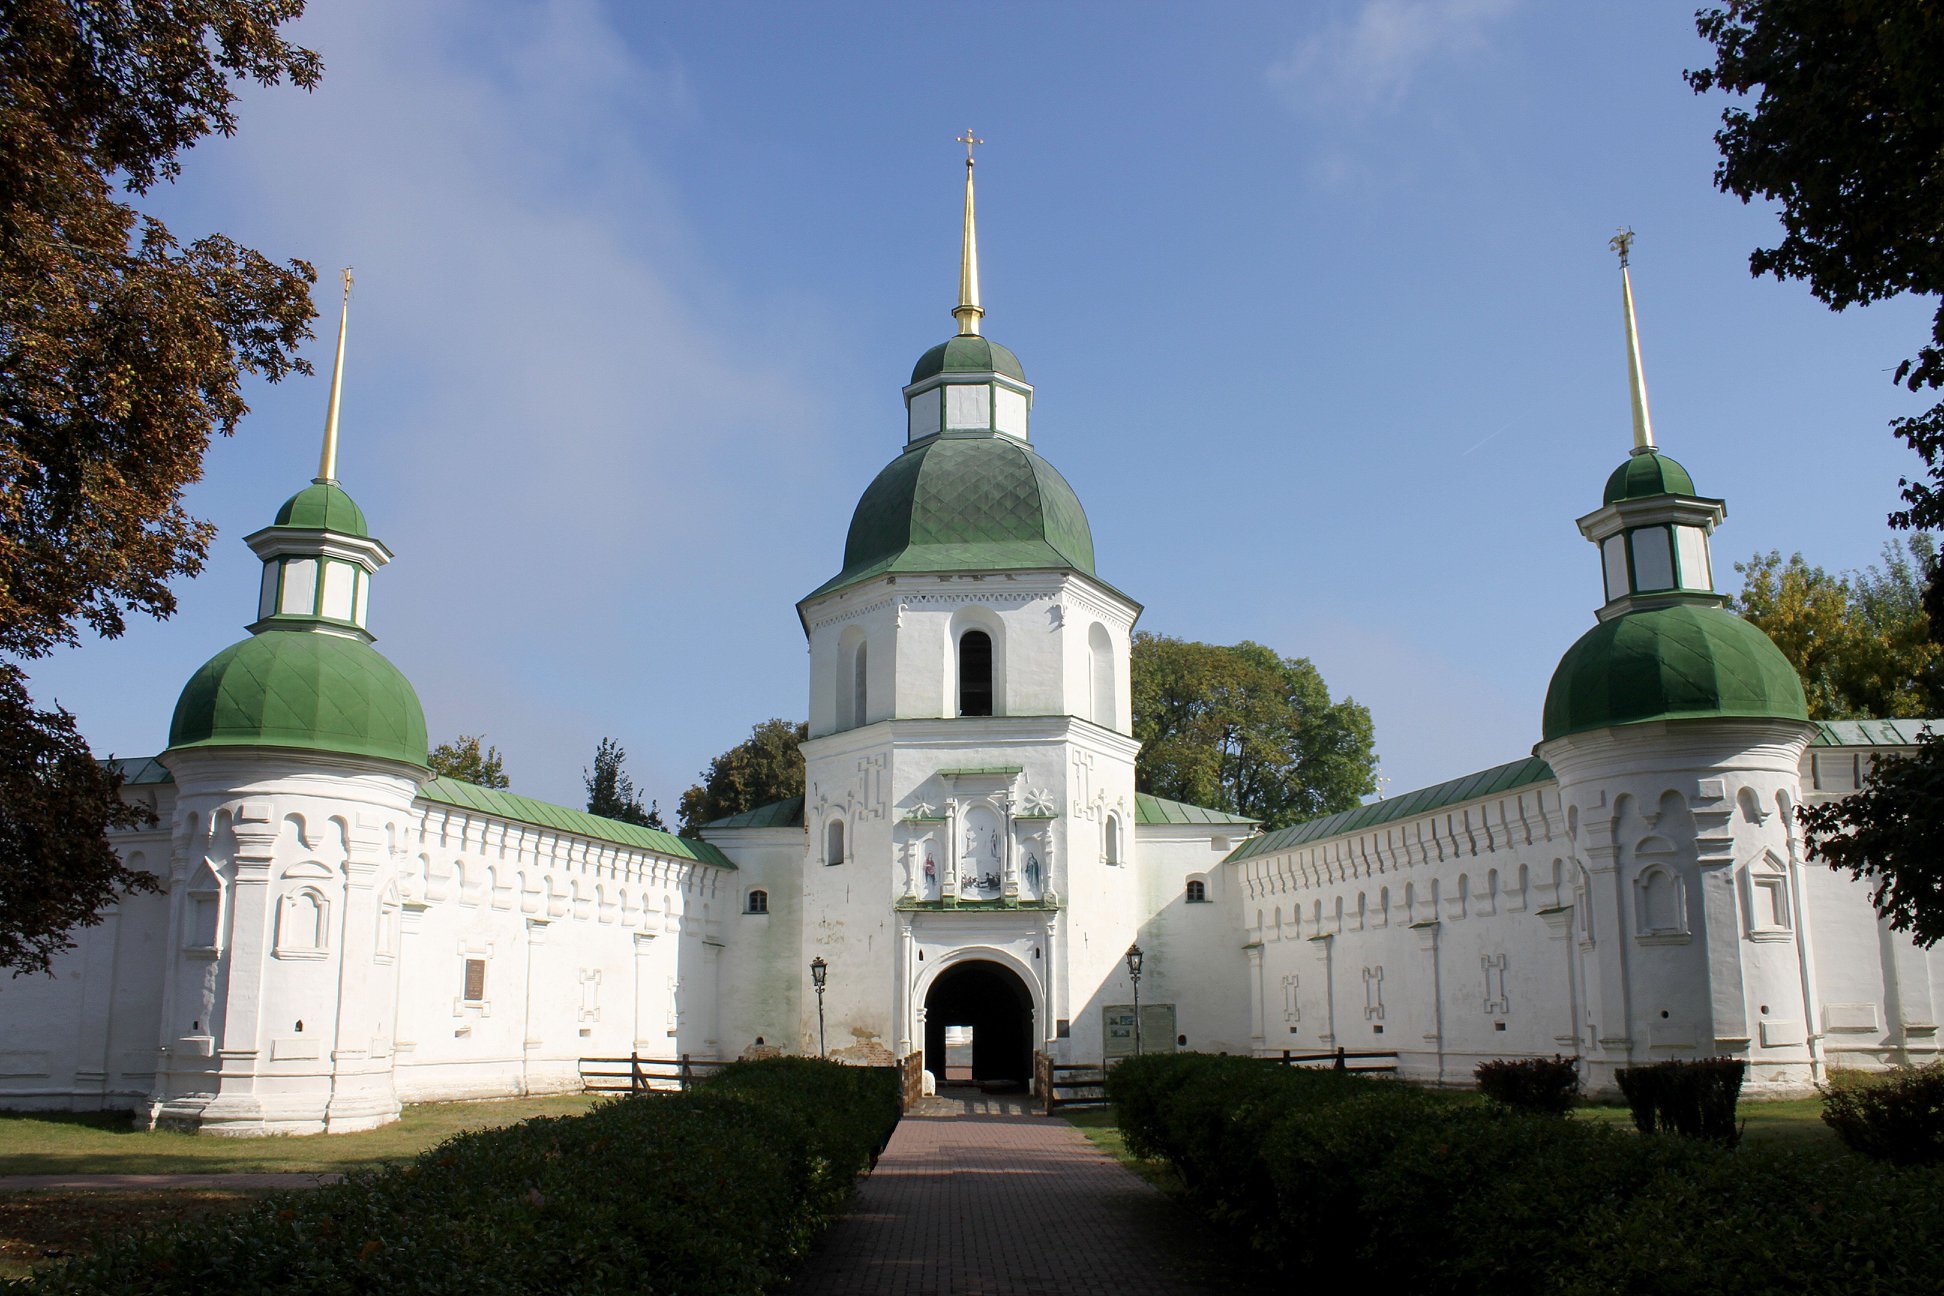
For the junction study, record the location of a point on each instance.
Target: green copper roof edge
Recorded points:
(1151, 809)
(787, 813)
(544, 814)
(277, 739)
(1496, 781)
(838, 584)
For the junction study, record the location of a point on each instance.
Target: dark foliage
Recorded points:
(1340, 1176)
(1892, 833)
(1693, 1099)
(765, 767)
(1897, 1118)
(121, 352)
(611, 793)
(1545, 1086)
(716, 1191)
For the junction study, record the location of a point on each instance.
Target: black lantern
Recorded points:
(1134, 957)
(819, 972)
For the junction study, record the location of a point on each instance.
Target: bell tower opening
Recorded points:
(991, 999)
(975, 673)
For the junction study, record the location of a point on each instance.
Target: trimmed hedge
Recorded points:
(1897, 1118)
(1329, 1175)
(1693, 1099)
(1547, 1086)
(719, 1190)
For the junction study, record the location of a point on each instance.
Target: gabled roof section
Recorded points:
(1871, 733)
(526, 810)
(787, 813)
(1160, 810)
(1491, 782)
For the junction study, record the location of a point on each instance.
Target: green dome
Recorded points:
(304, 689)
(981, 503)
(1683, 662)
(323, 506)
(1645, 475)
(967, 355)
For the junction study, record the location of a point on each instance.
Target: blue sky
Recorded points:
(1316, 297)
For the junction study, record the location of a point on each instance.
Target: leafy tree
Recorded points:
(611, 793)
(1847, 135)
(767, 766)
(1892, 832)
(1244, 730)
(121, 351)
(1860, 640)
(465, 760)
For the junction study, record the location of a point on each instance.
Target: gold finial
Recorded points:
(968, 310)
(1643, 424)
(327, 464)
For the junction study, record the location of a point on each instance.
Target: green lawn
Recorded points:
(106, 1143)
(1102, 1128)
(1792, 1122)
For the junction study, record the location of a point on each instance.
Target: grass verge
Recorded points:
(106, 1143)
(1101, 1125)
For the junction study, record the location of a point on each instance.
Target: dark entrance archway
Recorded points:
(991, 999)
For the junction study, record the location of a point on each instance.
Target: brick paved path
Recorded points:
(979, 1197)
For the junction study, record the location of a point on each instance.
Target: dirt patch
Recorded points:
(43, 1228)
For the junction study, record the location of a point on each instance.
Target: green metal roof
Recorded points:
(140, 770)
(1668, 663)
(978, 503)
(1160, 810)
(777, 814)
(1646, 475)
(511, 805)
(1492, 782)
(1870, 733)
(301, 689)
(323, 506)
(967, 355)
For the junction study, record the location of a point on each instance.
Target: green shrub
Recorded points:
(714, 1191)
(1693, 1099)
(1897, 1118)
(1547, 1086)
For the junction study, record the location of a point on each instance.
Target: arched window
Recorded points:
(758, 902)
(1197, 891)
(975, 673)
(302, 926)
(1100, 656)
(834, 842)
(860, 693)
(1113, 842)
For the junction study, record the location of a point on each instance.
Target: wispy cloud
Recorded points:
(1370, 59)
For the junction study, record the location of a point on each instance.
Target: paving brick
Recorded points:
(981, 1197)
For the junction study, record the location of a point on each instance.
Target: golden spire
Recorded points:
(1643, 425)
(968, 310)
(327, 464)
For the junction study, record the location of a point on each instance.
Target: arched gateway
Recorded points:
(991, 999)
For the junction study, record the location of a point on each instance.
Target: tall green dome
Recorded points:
(1645, 475)
(977, 503)
(1682, 662)
(302, 689)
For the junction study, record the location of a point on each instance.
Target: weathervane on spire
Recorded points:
(1622, 243)
(327, 462)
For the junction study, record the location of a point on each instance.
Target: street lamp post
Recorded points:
(819, 971)
(1134, 957)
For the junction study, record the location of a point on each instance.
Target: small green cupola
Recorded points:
(1665, 648)
(967, 385)
(308, 678)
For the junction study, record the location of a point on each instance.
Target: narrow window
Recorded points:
(475, 980)
(1197, 891)
(1653, 559)
(1113, 839)
(975, 673)
(834, 842)
(1100, 653)
(859, 692)
(758, 902)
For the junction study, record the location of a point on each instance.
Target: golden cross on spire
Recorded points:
(348, 281)
(1622, 243)
(969, 141)
(327, 462)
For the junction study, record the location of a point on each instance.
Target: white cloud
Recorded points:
(1370, 60)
